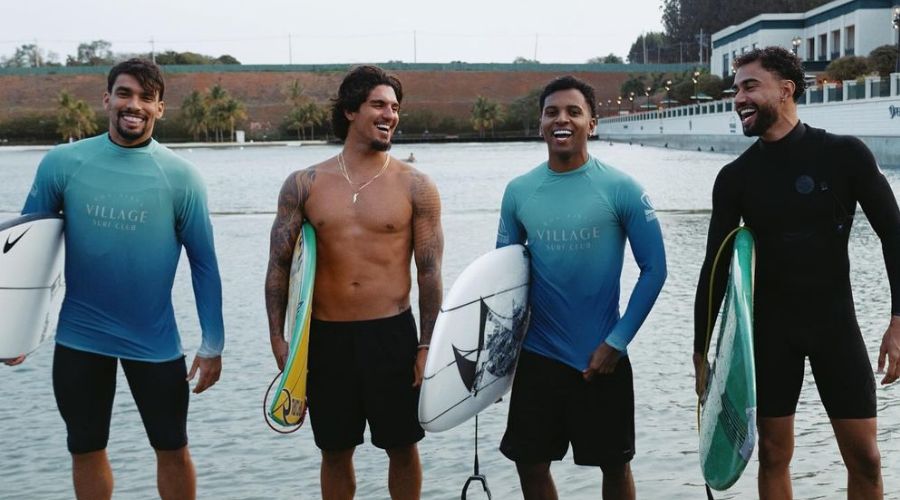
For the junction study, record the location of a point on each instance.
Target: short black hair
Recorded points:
(777, 60)
(354, 91)
(570, 82)
(147, 73)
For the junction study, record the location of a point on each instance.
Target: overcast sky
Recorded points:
(337, 31)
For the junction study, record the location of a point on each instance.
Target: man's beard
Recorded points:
(765, 118)
(380, 146)
(128, 134)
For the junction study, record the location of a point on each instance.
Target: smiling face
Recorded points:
(132, 111)
(763, 98)
(376, 119)
(566, 124)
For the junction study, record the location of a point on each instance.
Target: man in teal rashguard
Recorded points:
(573, 383)
(129, 206)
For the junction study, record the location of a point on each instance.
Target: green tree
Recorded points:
(217, 119)
(526, 111)
(307, 115)
(232, 111)
(607, 59)
(882, 60)
(635, 83)
(303, 113)
(215, 111)
(172, 58)
(29, 56)
(195, 115)
(523, 60)
(296, 93)
(74, 118)
(485, 114)
(659, 49)
(847, 68)
(226, 59)
(96, 53)
(683, 86)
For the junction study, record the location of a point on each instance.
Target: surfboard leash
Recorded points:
(266, 410)
(709, 329)
(476, 476)
(709, 308)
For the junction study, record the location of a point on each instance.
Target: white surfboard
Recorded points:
(477, 338)
(31, 281)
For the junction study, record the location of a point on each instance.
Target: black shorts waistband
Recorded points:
(377, 324)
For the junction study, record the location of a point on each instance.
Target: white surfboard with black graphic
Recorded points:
(477, 338)
(31, 281)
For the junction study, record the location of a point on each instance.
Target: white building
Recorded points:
(836, 29)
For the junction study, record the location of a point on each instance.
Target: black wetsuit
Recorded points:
(798, 195)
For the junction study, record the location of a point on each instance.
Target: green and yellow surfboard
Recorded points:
(288, 406)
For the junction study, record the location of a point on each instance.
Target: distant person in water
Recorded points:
(573, 384)
(130, 205)
(411, 158)
(372, 214)
(797, 188)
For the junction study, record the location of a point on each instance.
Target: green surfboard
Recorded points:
(728, 414)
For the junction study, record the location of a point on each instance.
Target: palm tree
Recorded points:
(315, 115)
(232, 111)
(485, 113)
(304, 112)
(295, 93)
(195, 115)
(74, 118)
(295, 121)
(218, 115)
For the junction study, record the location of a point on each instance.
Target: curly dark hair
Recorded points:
(354, 91)
(570, 82)
(147, 73)
(777, 60)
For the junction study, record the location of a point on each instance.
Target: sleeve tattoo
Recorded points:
(285, 230)
(428, 248)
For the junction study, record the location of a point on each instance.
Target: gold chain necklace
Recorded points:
(343, 168)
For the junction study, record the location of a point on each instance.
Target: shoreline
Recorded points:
(183, 145)
(436, 139)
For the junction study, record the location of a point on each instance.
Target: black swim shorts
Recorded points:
(363, 371)
(552, 405)
(837, 355)
(85, 384)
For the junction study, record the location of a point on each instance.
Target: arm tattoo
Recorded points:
(285, 230)
(428, 246)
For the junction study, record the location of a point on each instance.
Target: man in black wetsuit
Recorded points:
(797, 188)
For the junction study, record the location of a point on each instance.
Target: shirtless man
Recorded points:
(372, 213)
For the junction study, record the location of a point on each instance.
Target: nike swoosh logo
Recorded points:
(9, 244)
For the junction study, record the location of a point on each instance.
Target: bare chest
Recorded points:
(336, 208)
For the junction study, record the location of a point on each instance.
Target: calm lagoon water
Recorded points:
(238, 457)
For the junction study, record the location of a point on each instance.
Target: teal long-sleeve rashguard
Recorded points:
(128, 212)
(575, 225)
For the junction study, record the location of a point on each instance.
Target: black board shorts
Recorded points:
(363, 371)
(84, 384)
(552, 405)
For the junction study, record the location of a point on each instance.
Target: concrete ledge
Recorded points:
(885, 149)
(715, 143)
